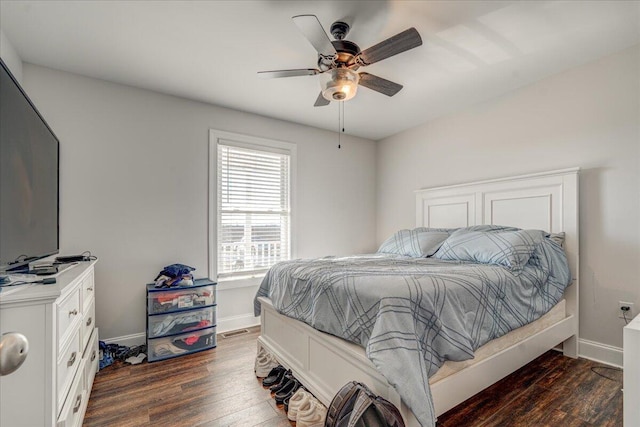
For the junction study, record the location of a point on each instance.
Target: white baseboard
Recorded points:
(598, 352)
(602, 353)
(237, 322)
(128, 340)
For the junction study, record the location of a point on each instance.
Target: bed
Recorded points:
(546, 201)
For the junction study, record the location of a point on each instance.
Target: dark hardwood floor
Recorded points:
(553, 390)
(218, 388)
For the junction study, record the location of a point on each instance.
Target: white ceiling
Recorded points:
(210, 51)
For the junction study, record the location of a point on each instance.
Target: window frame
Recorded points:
(256, 143)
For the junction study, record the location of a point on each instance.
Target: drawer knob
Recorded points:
(76, 407)
(14, 348)
(93, 356)
(90, 288)
(72, 359)
(73, 312)
(89, 320)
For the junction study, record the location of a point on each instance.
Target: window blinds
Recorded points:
(253, 209)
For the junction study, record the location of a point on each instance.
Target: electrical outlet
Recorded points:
(629, 314)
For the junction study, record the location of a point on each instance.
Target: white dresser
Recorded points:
(53, 385)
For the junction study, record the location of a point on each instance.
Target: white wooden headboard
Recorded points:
(544, 201)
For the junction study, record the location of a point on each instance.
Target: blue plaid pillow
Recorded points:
(489, 228)
(443, 230)
(413, 243)
(511, 249)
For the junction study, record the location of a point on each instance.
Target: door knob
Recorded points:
(14, 348)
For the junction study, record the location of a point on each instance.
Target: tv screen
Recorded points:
(29, 159)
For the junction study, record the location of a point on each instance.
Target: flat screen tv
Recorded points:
(29, 179)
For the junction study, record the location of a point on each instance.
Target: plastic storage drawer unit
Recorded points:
(166, 300)
(178, 345)
(181, 320)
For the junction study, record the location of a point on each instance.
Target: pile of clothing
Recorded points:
(109, 353)
(173, 300)
(175, 275)
(172, 324)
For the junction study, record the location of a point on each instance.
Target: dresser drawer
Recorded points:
(88, 323)
(88, 291)
(178, 345)
(67, 311)
(72, 411)
(171, 300)
(181, 322)
(90, 360)
(68, 363)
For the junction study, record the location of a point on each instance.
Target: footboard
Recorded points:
(324, 363)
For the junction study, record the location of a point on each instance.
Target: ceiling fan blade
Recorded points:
(321, 101)
(408, 39)
(379, 84)
(288, 73)
(310, 26)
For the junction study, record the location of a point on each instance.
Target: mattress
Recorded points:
(556, 314)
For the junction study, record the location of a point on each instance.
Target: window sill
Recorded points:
(240, 282)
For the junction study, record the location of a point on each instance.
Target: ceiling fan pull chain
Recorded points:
(339, 109)
(342, 116)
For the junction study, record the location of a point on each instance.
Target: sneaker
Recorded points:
(287, 377)
(311, 415)
(275, 376)
(264, 364)
(297, 401)
(305, 406)
(286, 391)
(261, 350)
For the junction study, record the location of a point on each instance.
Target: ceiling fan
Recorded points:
(339, 59)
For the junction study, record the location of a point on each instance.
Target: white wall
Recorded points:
(587, 117)
(10, 56)
(134, 187)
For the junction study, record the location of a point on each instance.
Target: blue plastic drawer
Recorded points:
(180, 322)
(179, 345)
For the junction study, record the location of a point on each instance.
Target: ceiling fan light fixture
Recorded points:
(339, 84)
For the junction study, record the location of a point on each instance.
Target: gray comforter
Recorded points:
(413, 314)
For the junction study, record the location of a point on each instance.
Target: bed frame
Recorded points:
(547, 201)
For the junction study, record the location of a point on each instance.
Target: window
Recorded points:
(253, 204)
